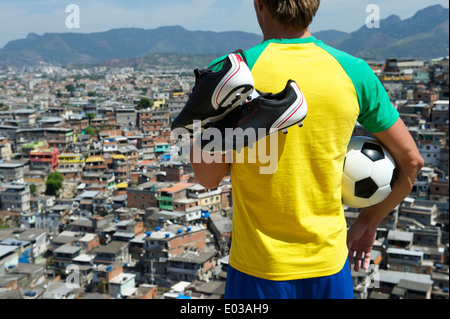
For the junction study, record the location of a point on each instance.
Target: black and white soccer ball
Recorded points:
(369, 172)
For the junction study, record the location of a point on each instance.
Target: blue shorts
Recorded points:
(242, 286)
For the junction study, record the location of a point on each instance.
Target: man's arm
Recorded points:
(403, 149)
(209, 169)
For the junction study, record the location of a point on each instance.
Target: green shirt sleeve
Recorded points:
(376, 110)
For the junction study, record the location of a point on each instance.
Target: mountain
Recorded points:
(424, 35)
(125, 43)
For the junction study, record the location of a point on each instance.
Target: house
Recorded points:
(405, 260)
(64, 238)
(60, 290)
(113, 252)
(98, 181)
(9, 257)
(145, 291)
(166, 196)
(145, 195)
(64, 255)
(42, 202)
(119, 167)
(208, 199)
(103, 226)
(161, 147)
(400, 239)
(95, 164)
(211, 289)
(30, 274)
(390, 279)
(103, 274)
(191, 265)
(5, 149)
(122, 285)
(220, 227)
(128, 229)
(12, 171)
(27, 219)
(169, 241)
(77, 122)
(406, 289)
(89, 242)
(70, 161)
(126, 116)
(422, 212)
(44, 159)
(15, 197)
(92, 202)
(38, 239)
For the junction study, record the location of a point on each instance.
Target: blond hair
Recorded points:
(293, 14)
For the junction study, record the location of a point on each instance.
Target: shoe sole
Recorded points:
(222, 98)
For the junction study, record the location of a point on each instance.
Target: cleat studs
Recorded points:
(284, 131)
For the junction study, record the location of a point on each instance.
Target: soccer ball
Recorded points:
(368, 173)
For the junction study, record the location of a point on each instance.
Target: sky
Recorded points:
(20, 17)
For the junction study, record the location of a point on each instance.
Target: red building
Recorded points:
(44, 159)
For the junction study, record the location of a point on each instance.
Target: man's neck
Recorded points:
(286, 34)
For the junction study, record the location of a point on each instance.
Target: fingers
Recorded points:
(366, 260)
(359, 260)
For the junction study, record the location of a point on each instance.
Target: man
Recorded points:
(289, 236)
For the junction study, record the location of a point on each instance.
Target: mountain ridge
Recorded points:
(423, 35)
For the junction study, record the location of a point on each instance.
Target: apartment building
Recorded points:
(60, 138)
(12, 171)
(70, 161)
(166, 242)
(15, 197)
(168, 195)
(44, 159)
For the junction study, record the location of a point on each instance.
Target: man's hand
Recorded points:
(360, 239)
(362, 233)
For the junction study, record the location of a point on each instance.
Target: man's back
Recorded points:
(291, 224)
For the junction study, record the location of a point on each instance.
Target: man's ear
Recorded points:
(258, 5)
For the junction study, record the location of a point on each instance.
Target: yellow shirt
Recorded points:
(290, 224)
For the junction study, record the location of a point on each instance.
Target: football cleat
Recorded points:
(263, 115)
(215, 94)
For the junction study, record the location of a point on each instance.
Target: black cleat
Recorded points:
(265, 114)
(216, 93)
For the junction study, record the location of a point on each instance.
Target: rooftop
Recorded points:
(177, 187)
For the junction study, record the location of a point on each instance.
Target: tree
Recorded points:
(33, 189)
(90, 117)
(53, 183)
(70, 88)
(145, 103)
(91, 131)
